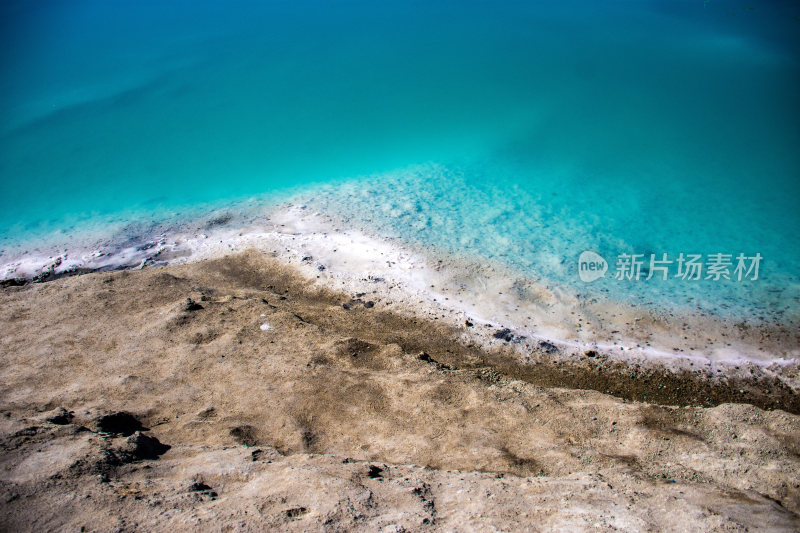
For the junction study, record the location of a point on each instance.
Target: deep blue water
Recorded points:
(528, 131)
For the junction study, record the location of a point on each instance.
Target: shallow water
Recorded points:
(519, 132)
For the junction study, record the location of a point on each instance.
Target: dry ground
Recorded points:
(351, 419)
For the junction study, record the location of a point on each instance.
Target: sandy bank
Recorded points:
(344, 413)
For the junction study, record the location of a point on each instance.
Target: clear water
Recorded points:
(524, 132)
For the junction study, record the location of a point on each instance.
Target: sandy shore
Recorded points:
(258, 398)
(345, 255)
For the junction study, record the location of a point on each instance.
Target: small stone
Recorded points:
(191, 305)
(548, 347)
(60, 417)
(295, 512)
(199, 486)
(140, 446)
(504, 334)
(374, 472)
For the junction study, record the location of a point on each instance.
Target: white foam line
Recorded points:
(608, 349)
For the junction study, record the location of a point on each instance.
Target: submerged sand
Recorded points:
(268, 401)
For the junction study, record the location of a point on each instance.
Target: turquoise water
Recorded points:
(524, 132)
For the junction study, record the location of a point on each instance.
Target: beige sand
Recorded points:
(284, 410)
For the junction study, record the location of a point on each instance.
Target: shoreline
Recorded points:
(486, 293)
(392, 279)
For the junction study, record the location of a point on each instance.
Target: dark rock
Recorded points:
(440, 366)
(548, 347)
(590, 353)
(321, 267)
(504, 334)
(295, 512)
(138, 447)
(468, 324)
(12, 282)
(199, 486)
(120, 423)
(355, 301)
(374, 472)
(191, 305)
(60, 417)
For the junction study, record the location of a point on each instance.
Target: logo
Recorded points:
(591, 266)
(685, 267)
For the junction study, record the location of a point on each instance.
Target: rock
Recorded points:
(191, 305)
(60, 417)
(374, 472)
(12, 282)
(504, 334)
(440, 366)
(139, 446)
(355, 301)
(295, 512)
(199, 486)
(548, 347)
(120, 423)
